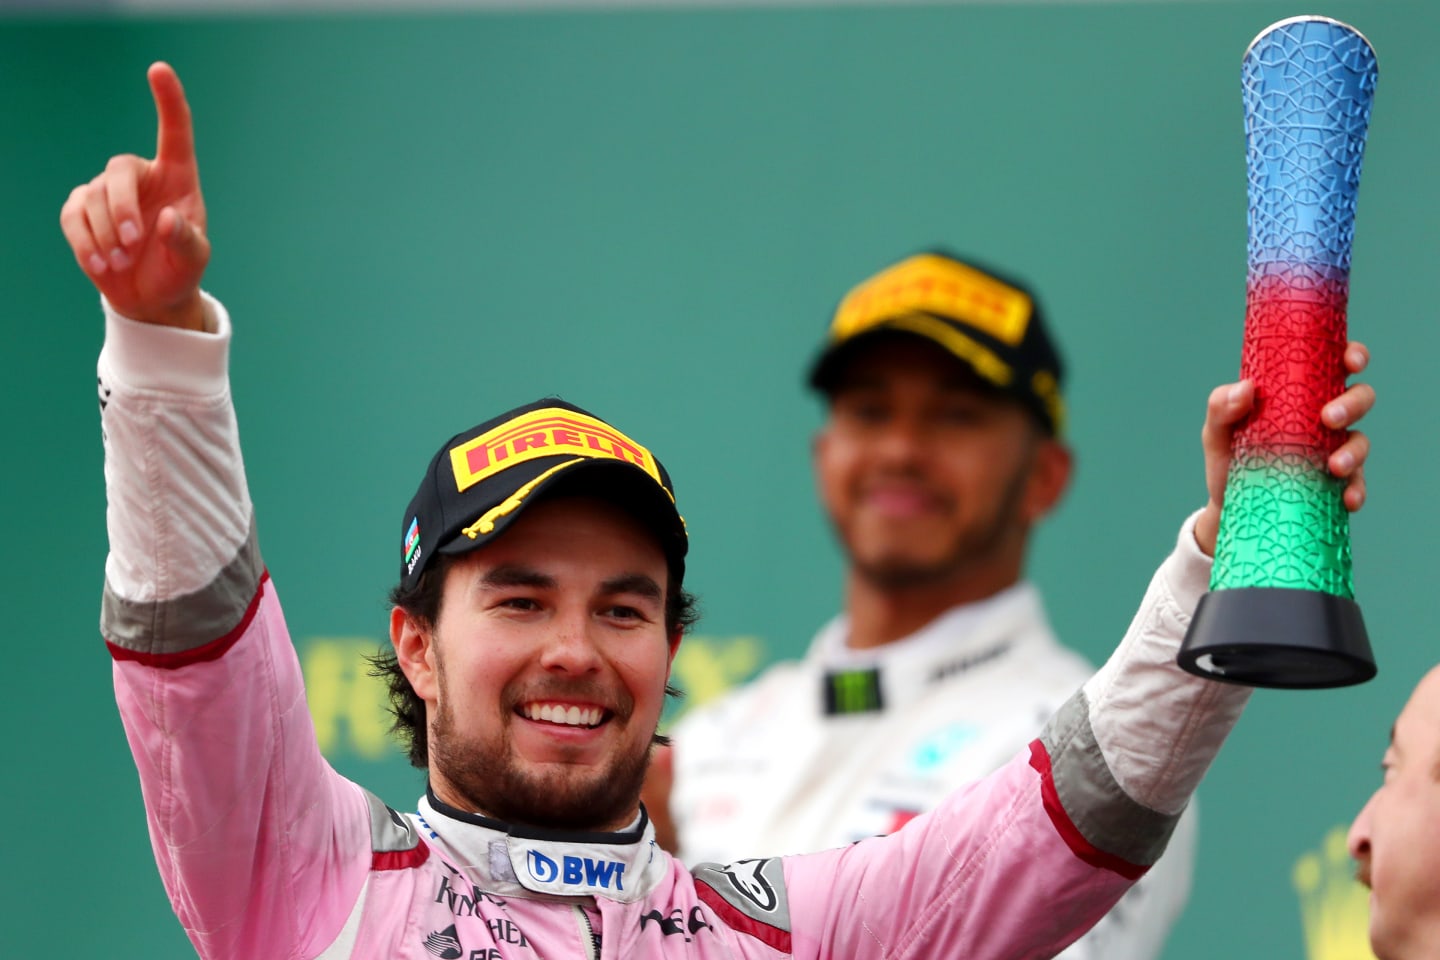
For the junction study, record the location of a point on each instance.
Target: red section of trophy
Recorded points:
(1294, 351)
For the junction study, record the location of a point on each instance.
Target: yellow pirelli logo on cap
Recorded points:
(940, 286)
(548, 432)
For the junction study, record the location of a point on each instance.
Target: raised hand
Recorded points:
(138, 229)
(1230, 403)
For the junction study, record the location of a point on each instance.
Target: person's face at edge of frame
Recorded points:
(1395, 838)
(545, 673)
(927, 472)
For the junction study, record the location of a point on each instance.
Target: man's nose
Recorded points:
(1358, 839)
(570, 648)
(901, 440)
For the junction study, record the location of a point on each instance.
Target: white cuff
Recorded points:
(1188, 573)
(144, 356)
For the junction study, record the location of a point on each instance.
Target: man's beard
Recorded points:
(971, 548)
(491, 779)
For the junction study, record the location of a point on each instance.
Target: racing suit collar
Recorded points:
(632, 834)
(963, 638)
(959, 630)
(517, 860)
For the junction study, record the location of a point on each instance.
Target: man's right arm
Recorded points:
(262, 847)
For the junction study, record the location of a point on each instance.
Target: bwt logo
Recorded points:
(577, 871)
(542, 868)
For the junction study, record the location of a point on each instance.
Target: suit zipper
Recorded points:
(588, 934)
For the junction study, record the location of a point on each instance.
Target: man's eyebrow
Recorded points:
(968, 383)
(633, 583)
(515, 575)
(853, 394)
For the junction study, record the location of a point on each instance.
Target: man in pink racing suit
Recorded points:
(539, 607)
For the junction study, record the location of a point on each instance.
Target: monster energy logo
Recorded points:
(852, 691)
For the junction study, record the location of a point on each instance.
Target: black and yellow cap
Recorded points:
(992, 323)
(482, 479)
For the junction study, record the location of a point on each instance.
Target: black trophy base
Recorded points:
(1277, 637)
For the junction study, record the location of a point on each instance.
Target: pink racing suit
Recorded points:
(267, 853)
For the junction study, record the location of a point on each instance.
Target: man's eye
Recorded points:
(520, 603)
(869, 413)
(861, 410)
(961, 414)
(621, 612)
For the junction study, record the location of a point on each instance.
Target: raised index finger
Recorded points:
(175, 142)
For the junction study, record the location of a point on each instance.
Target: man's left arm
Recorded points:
(1022, 862)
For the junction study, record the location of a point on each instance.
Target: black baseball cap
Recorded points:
(479, 481)
(992, 323)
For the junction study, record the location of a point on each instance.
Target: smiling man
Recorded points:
(942, 451)
(558, 738)
(540, 603)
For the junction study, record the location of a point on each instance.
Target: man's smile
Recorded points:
(570, 715)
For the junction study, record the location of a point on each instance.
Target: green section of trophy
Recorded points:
(1284, 525)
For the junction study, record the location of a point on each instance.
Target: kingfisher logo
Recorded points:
(548, 432)
(574, 871)
(445, 944)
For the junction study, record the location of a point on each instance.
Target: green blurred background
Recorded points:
(421, 219)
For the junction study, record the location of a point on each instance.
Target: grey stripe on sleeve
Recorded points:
(193, 620)
(389, 832)
(754, 887)
(1099, 808)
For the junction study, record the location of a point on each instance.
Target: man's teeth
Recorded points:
(570, 716)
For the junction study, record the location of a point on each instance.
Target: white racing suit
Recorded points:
(847, 744)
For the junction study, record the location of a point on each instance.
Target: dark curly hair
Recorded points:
(422, 602)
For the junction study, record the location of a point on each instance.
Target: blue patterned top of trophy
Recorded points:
(1308, 86)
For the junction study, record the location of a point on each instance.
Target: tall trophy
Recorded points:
(1281, 610)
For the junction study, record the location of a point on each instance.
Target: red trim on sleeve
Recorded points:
(736, 920)
(1082, 848)
(213, 650)
(400, 859)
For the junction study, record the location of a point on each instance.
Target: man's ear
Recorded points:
(415, 651)
(819, 442)
(1049, 478)
(674, 649)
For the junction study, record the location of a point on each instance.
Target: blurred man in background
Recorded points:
(942, 450)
